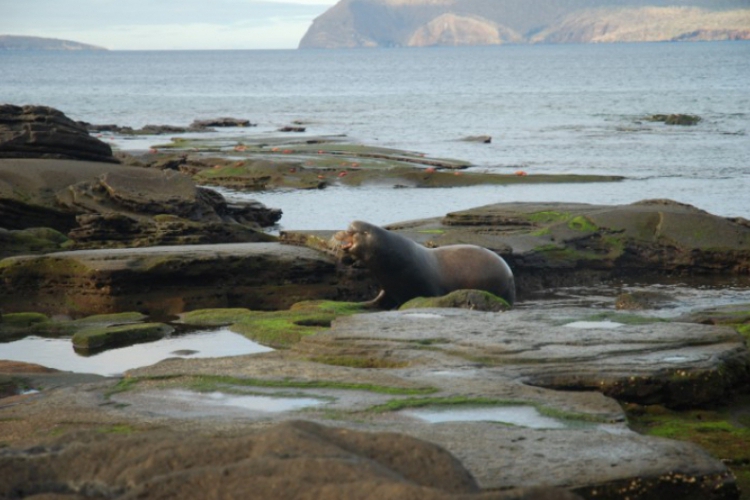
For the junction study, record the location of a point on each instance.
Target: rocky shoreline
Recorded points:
(452, 399)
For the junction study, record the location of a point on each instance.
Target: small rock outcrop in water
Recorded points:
(44, 132)
(151, 129)
(221, 122)
(676, 119)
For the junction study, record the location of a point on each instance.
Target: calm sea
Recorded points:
(549, 108)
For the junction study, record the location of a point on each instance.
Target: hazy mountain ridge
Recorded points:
(397, 23)
(12, 42)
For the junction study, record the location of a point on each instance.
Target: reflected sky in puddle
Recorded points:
(423, 315)
(59, 353)
(676, 359)
(518, 415)
(586, 325)
(256, 403)
(524, 416)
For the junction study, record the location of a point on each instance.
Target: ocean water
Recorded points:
(548, 108)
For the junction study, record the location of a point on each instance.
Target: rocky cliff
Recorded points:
(419, 23)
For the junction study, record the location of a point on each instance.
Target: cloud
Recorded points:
(166, 24)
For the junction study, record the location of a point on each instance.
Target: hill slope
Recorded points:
(402, 23)
(11, 42)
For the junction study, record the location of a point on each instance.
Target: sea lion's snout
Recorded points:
(344, 240)
(350, 237)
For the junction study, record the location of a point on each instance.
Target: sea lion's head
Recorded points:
(358, 240)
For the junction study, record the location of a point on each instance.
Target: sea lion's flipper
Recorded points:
(377, 302)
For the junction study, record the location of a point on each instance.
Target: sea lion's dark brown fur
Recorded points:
(404, 269)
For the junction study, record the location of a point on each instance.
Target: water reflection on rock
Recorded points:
(59, 353)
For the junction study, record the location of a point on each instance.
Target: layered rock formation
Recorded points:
(44, 132)
(397, 23)
(60, 188)
(169, 280)
(103, 205)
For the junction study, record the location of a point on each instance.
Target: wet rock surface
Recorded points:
(271, 163)
(44, 132)
(649, 362)
(567, 370)
(290, 460)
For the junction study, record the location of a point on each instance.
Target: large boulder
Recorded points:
(44, 132)
(104, 205)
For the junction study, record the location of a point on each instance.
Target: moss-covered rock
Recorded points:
(638, 300)
(278, 329)
(724, 432)
(214, 317)
(32, 240)
(735, 314)
(465, 299)
(20, 324)
(281, 329)
(114, 336)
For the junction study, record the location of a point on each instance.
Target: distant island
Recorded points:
(422, 23)
(12, 42)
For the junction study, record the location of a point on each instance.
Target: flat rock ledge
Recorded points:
(562, 365)
(556, 378)
(163, 281)
(675, 364)
(291, 460)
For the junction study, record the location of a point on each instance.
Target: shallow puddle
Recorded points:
(523, 416)
(676, 359)
(586, 325)
(423, 315)
(255, 403)
(59, 353)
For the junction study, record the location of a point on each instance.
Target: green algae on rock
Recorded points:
(721, 431)
(16, 325)
(278, 329)
(465, 299)
(32, 240)
(282, 163)
(209, 383)
(113, 336)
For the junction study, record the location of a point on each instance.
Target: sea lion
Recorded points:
(405, 269)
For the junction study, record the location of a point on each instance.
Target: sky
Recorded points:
(165, 24)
